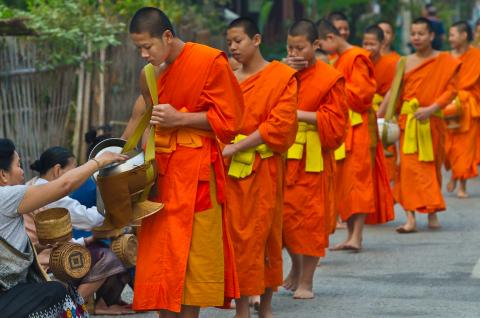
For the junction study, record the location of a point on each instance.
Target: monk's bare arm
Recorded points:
(382, 110)
(307, 117)
(252, 141)
(137, 113)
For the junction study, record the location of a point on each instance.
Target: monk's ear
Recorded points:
(167, 36)
(257, 40)
(432, 36)
(316, 44)
(3, 177)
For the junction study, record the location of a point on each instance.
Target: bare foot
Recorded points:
(291, 282)
(304, 292)
(354, 247)
(433, 222)
(451, 185)
(339, 247)
(406, 229)
(462, 194)
(101, 309)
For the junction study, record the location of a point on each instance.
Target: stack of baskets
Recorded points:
(68, 261)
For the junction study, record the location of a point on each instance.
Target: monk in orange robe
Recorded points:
(340, 22)
(428, 86)
(461, 143)
(256, 171)
(185, 255)
(308, 218)
(389, 37)
(385, 67)
(362, 182)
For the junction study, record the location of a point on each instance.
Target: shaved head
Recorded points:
(304, 27)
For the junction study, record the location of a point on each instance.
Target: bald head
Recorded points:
(152, 21)
(304, 27)
(248, 25)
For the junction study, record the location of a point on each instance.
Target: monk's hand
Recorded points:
(165, 115)
(229, 150)
(424, 113)
(296, 62)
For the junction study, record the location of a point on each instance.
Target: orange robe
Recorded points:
(185, 180)
(362, 182)
(255, 203)
(385, 69)
(461, 144)
(308, 216)
(418, 183)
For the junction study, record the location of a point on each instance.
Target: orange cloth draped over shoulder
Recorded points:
(199, 80)
(362, 181)
(418, 183)
(308, 214)
(255, 202)
(385, 69)
(461, 144)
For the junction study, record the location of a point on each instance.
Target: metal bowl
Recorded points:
(393, 131)
(136, 157)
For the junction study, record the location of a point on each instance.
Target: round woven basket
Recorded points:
(53, 225)
(125, 247)
(70, 262)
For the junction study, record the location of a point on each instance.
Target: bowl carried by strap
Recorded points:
(452, 114)
(70, 262)
(123, 186)
(53, 226)
(389, 131)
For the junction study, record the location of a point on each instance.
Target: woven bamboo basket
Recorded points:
(53, 226)
(125, 247)
(70, 262)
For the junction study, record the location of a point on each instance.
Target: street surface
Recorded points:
(426, 274)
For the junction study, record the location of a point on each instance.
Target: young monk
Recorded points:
(461, 143)
(256, 172)
(322, 114)
(185, 257)
(427, 88)
(389, 37)
(385, 67)
(340, 22)
(362, 183)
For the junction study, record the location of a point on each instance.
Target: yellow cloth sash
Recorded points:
(355, 119)
(307, 135)
(241, 165)
(418, 135)
(376, 102)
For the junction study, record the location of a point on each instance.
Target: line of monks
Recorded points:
(267, 156)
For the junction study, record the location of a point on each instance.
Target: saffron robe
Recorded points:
(361, 178)
(255, 203)
(418, 183)
(385, 69)
(308, 214)
(461, 144)
(184, 185)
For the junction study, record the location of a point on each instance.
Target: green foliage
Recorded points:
(265, 10)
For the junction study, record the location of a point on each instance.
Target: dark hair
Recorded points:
(422, 20)
(325, 27)
(377, 31)
(306, 28)
(7, 150)
(463, 26)
(337, 16)
(431, 9)
(51, 157)
(151, 20)
(387, 22)
(248, 25)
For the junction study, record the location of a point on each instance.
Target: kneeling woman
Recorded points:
(107, 276)
(24, 288)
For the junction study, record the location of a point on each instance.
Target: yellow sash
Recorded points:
(307, 135)
(376, 102)
(241, 165)
(355, 119)
(418, 135)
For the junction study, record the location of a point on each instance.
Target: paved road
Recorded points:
(427, 274)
